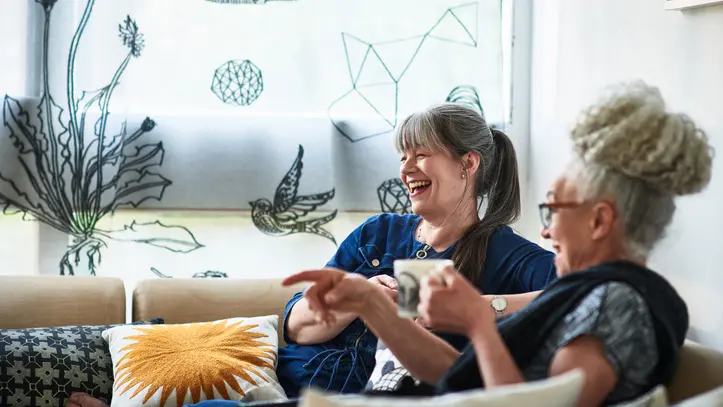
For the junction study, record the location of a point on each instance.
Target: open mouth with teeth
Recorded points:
(418, 187)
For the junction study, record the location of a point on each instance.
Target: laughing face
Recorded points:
(436, 181)
(582, 233)
(566, 228)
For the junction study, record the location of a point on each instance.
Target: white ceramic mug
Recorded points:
(409, 274)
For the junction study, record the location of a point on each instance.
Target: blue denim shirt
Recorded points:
(513, 265)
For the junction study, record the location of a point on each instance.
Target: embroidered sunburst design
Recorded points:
(193, 357)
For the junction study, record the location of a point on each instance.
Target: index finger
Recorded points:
(311, 276)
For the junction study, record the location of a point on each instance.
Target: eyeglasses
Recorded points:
(548, 208)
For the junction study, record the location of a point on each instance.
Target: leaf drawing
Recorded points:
(200, 274)
(72, 170)
(174, 238)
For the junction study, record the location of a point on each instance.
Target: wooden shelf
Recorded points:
(689, 4)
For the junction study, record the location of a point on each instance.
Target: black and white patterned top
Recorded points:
(613, 312)
(617, 315)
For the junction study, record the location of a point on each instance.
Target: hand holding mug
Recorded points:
(450, 303)
(409, 275)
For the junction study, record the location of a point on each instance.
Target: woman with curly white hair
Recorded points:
(608, 314)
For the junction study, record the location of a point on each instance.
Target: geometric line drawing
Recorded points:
(375, 80)
(466, 95)
(394, 197)
(282, 217)
(77, 172)
(237, 83)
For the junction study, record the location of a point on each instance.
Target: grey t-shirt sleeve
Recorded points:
(617, 315)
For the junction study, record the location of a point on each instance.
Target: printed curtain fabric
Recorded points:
(220, 138)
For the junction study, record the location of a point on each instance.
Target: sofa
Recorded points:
(45, 301)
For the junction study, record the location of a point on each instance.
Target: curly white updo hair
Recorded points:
(631, 148)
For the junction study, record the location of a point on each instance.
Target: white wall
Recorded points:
(579, 47)
(13, 54)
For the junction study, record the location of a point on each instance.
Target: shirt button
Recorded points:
(375, 263)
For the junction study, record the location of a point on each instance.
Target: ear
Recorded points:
(603, 220)
(470, 163)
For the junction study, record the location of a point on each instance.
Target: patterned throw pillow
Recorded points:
(388, 372)
(173, 365)
(42, 366)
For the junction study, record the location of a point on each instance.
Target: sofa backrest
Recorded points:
(183, 300)
(700, 370)
(43, 301)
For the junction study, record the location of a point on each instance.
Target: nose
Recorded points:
(545, 232)
(407, 166)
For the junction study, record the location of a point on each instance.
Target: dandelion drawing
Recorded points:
(71, 173)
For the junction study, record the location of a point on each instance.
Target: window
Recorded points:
(14, 52)
(203, 107)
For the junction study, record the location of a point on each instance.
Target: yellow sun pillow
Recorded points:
(173, 365)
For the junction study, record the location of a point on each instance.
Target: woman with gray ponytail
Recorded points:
(451, 162)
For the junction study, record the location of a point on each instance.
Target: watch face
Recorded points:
(499, 303)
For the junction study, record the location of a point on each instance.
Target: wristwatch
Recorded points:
(499, 304)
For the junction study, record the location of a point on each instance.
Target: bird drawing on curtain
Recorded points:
(70, 170)
(286, 215)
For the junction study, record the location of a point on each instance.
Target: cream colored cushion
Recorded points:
(708, 399)
(700, 370)
(170, 365)
(49, 301)
(183, 300)
(654, 398)
(558, 391)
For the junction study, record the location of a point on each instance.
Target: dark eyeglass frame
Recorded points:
(548, 208)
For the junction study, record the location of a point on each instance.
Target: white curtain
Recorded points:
(222, 99)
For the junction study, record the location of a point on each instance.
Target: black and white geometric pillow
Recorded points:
(42, 366)
(388, 372)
